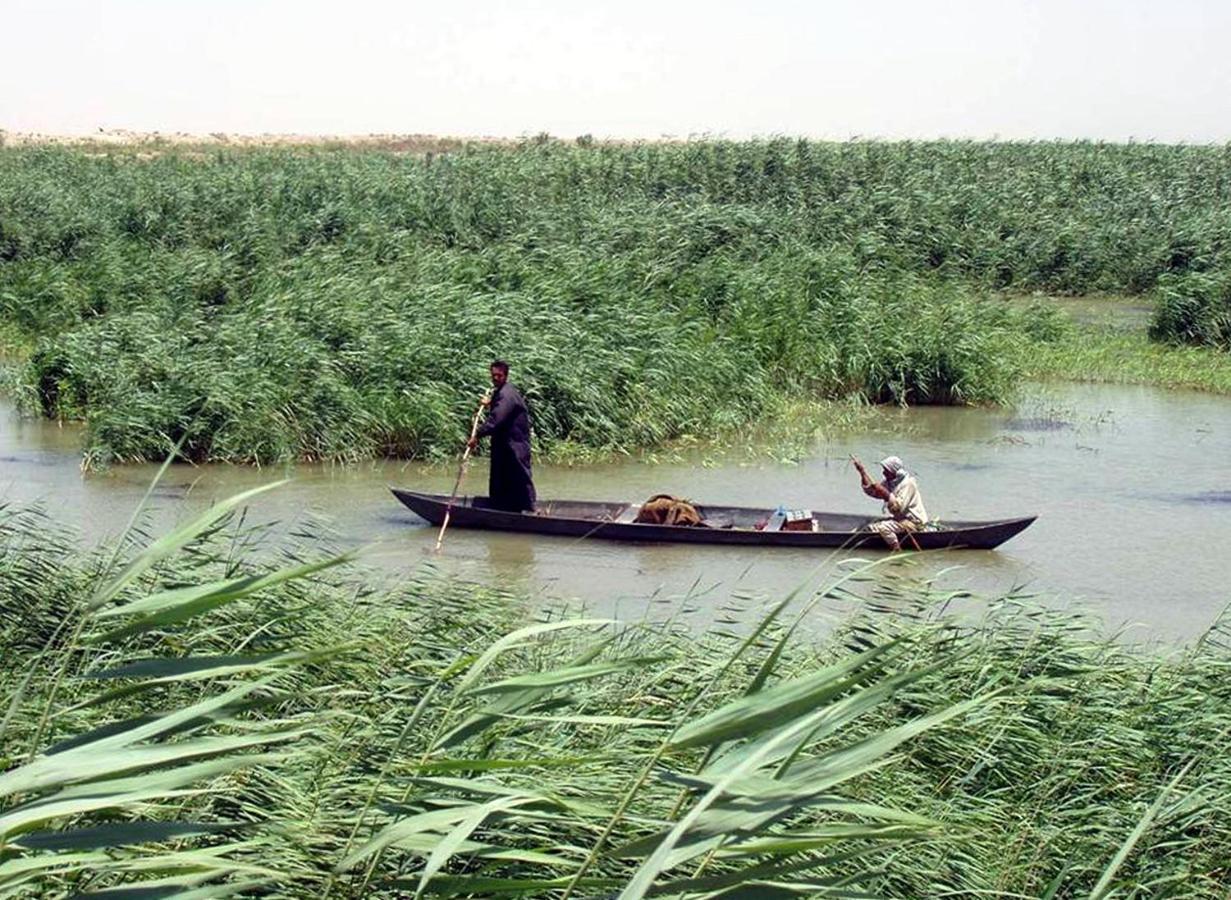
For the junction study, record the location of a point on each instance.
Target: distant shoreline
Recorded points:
(121, 137)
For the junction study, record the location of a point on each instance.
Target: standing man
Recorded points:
(903, 502)
(510, 487)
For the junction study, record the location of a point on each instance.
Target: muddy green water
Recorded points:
(1130, 485)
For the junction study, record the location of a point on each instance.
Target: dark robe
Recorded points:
(510, 486)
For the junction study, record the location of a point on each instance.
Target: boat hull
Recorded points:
(612, 521)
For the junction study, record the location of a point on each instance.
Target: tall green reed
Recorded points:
(228, 720)
(267, 305)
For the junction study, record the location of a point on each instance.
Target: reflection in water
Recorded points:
(1202, 497)
(515, 559)
(1124, 493)
(968, 466)
(1037, 424)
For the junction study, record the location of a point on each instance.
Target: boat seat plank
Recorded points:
(629, 513)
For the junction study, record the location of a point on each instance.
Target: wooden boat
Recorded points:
(725, 524)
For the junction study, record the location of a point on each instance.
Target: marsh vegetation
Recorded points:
(183, 716)
(338, 303)
(208, 712)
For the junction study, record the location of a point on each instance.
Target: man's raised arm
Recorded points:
(870, 487)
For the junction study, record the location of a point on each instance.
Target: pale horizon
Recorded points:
(1019, 70)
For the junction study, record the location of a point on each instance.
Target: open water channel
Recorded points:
(1130, 484)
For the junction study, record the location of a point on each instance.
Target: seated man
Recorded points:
(903, 502)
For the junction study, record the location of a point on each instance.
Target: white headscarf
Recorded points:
(893, 465)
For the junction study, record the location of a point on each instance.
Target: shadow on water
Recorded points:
(1037, 424)
(1213, 498)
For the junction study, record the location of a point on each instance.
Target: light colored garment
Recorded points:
(893, 530)
(905, 501)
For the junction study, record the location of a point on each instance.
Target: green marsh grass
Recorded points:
(268, 304)
(1194, 308)
(199, 712)
(1101, 355)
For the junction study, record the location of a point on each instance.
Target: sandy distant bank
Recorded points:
(121, 137)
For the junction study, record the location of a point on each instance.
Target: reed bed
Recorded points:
(1194, 308)
(321, 303)
(210, 713)
(1104, 355)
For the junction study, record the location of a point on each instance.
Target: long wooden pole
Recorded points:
(461, 471)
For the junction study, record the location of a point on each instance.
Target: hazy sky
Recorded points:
(1144, 69)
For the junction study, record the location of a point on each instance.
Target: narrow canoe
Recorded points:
(727, 524)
